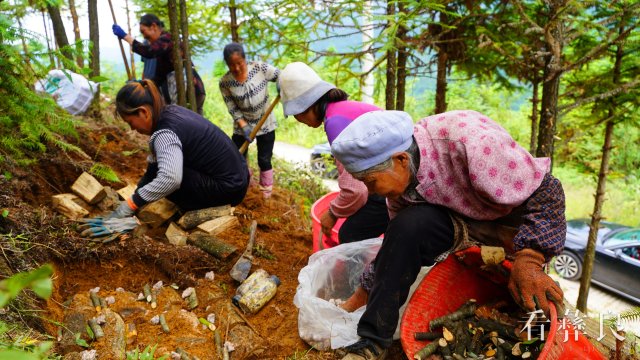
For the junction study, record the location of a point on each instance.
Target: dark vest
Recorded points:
(205, 147)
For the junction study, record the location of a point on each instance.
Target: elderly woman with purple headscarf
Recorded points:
(451, 180)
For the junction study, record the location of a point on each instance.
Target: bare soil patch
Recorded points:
(121, 269)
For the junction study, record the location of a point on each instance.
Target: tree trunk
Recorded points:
(55, 45)
(76, 33)
(551, 81)
(549, 112)
(25, 49)
(587, 263)
(234, 21)
(132, 59)
(390, 88)
(401, 81)
(59, 32)
(94, 37)
(94, 63)
(191, 91)
(46, 35)
(589, 257)
(534, 115)
(441, 83)
(177, 57)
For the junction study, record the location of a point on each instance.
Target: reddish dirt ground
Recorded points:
(283, 232)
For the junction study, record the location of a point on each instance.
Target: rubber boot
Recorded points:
(266, 183)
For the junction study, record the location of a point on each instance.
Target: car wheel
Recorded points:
(318, 166)
(568, 266)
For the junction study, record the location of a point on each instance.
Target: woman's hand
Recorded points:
(124, 210)
(246, 129)
(118, 31)
(356, 301)
(327, 221)
(530, 287)
(121, 34)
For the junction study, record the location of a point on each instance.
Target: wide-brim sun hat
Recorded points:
(300, 87)
(372, 138)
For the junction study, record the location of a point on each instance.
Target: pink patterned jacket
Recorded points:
(471, 165)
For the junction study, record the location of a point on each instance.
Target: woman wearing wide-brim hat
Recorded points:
(315, 102)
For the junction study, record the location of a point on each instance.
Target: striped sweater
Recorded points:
(249, 100)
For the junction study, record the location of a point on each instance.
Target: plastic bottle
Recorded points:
(262, 289)
(251, 281)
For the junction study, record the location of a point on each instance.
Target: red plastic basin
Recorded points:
(451, 283)
(320, 241)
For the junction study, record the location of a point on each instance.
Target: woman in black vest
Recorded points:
(192, 163)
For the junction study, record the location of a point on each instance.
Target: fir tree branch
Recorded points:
(563, 110)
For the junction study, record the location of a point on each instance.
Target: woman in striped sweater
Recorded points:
(244, 90)
(192, 162)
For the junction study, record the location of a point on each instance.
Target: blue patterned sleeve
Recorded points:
(545, 226)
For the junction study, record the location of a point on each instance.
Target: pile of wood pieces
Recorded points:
(198, 228)
(115, 320)
(481, 332)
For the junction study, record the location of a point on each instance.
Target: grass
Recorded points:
(621, 199)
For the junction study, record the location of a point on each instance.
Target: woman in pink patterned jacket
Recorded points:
(449, 171)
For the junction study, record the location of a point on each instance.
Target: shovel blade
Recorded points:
(240, 270)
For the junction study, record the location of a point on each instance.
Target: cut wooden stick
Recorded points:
(103, 303)
(499, 353)
(95, 301)
(515, 350)
(163, 323)
(427, 351)
(196, 217)
(443, 348)
(183, 354)
(447, 334)
(96, 328)
(211, 245)
(476, 340)
(218, 341)
(150, 296)
(431, 335)
(207, 323)
(192, 300)
(465, 311)
(504, 330)
(132, 333)
(462, 338)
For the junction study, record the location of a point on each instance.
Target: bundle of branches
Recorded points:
(482, 332)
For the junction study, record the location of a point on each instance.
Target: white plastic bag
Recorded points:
(334, 273)
(72, 92)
